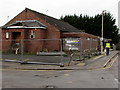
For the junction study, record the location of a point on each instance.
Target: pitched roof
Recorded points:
(61, 25)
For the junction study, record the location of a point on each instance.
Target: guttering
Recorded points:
(26, 27)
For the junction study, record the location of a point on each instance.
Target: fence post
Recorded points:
(21, 50)
(81, 47)
(61, 62)
(91, 47)
(90, 43)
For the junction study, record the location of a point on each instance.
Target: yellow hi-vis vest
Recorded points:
(107, 45)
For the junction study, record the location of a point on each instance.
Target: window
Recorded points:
(7, 35)
(32, 35)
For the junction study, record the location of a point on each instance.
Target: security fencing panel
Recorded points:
(43, 51)
(72, 47)
(11, 51)
(35, 51)
(48, 51)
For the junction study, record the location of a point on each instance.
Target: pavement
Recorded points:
(93, 63)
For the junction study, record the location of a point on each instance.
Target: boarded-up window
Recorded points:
(6, 35)
(32, 35)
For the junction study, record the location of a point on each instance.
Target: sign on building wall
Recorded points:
(71, 44)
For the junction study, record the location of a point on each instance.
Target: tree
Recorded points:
(93, 25)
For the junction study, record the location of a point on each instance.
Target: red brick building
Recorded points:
(36, 31)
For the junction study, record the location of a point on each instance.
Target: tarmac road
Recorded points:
(103, 78)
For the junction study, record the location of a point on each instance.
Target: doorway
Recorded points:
(16, 37)
(16, 42)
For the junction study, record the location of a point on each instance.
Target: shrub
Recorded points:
(118, 46)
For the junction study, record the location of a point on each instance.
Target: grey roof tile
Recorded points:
(61, 25)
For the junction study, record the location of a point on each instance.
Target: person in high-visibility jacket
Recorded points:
(107, 48)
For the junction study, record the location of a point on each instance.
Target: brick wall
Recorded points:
(6, 42)
(51, 33)
(36, 45)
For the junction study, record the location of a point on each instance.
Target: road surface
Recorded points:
(100, 78)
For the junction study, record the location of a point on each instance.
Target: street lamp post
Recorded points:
(102, 36)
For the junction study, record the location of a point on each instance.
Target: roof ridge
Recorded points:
(54, 21)
(47, 16)
(41, 13)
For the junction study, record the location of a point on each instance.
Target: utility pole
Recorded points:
(102, 34)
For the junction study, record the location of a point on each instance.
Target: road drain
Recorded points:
(3, 66)
(49, 86)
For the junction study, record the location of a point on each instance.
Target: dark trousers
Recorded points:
(107, 51)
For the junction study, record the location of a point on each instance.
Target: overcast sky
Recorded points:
(57, 8)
